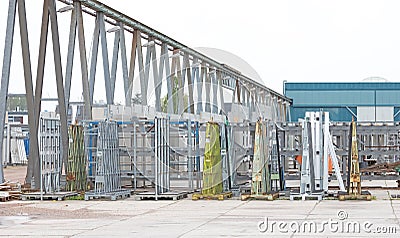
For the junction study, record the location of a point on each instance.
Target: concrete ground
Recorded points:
(187, 218)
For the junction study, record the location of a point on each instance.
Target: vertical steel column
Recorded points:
(33, 170)
(225, 158)
(200, 85)
(8, 143)
(170, 106)
(144, 78)
(59, 81)
(106, 67)
(221, 92)
(84, 65)
(135, 165)
(190, 156)
(163, 57)
(243, 90)
(214, 82)
(157, 77)
(114, 62)
(70, 55)
(27, 73)
(146, 71)
(167, 156)
(306, 180)
(188, 74)
(181, 84)
(231, 154)
(93, 55)
(325, 162)
(207, 83)
(76, 20)
(124, 63)
(198, 161)
(5, 74)
(132, 66)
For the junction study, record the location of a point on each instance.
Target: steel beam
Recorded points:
(132, 65)
(70, 56)
(59, 81)
(106, 66)
(170, 88)
(145, 82)
(5, 75)
(124, 63)
(199, 85)
(163, 57)
(207, 84)
(33, 170)
(27, 75)
(214, 82)
(142, 71)
(114, 62)
(119, 17)
(186, 68)
(93, 59)
(156, 77)
(221, 92)
(84, 66)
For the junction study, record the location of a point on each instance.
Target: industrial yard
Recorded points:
(178, 143)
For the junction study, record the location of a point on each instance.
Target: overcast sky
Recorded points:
(297, 41)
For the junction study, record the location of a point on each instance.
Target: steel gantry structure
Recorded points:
(180, 68)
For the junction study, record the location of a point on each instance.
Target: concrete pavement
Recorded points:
(186, 218)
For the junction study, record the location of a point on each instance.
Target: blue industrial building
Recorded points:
(365, 101)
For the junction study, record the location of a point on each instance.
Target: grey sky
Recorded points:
(282, 40)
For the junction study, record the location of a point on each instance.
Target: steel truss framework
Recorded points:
(181, 68)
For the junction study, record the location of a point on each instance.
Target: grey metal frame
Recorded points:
(194, 69)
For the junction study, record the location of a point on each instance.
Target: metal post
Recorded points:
(190, 149)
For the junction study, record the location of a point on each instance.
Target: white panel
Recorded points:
(384, 113)
(366, 114)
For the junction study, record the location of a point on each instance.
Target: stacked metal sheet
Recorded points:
(76, 164)
(49, 151)
(260, 179)
(108, 175)
(162, 155)
(103, 153)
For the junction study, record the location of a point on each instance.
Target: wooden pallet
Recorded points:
(365, 195)
(113, 196)
(394, 196)
(304, 197)
(59, 196)
(164, 196)
(220, 196)
(266, 197)
(4, 197)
